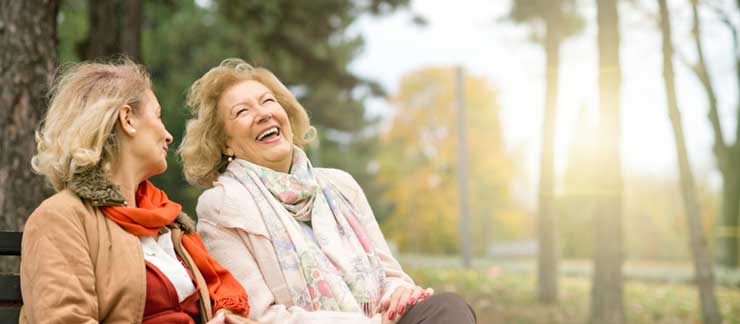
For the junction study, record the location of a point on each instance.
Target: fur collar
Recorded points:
(94, 186)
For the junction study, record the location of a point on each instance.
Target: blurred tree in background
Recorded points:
(607, 290)
(28, 56)
(27, 61)
(726, 149)
(115, 28)
(650, 208)
(703, 272)
(561, 20)
(306, 44)
(418, 163)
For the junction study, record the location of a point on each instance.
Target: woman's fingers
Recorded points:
(235, 319)
(415, 296)
(218, 319)
(428, 292)
(395, 301)
(403, 301)
(238, 319)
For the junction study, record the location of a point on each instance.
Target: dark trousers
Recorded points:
(440, 308)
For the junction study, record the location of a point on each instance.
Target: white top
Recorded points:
(161, 254)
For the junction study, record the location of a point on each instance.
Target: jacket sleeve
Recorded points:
(228, 248)
(57, 274)
(394, 274)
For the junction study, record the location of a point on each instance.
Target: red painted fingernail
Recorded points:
(401, 309)
(390, 315)
(412, 301)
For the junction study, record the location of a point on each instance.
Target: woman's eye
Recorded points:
(269, 100)
(240, 111)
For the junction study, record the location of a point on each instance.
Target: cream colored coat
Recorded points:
(236, 236)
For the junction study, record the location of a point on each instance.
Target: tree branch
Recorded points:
(700, 69)
(725, 18)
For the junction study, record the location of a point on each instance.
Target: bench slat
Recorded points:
(10, 243)
(11, 288)
(9, 314)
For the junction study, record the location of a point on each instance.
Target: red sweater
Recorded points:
(162, 303)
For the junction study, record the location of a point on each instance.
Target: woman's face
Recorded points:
(151, 139)
(257, 127)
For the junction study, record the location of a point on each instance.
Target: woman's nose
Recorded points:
(168, 138)
(263, 115)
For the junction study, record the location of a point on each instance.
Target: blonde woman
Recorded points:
(109, 246)
(303, 241)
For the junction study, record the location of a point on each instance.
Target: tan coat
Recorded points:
(238, 239)
(78, 266)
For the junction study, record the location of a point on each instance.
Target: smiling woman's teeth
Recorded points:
(267, 133)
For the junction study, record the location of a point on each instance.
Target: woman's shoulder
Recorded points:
(211, 197)
(62, 203)
(61, 209)
(223, 188)
(340, 178)
(228, 204)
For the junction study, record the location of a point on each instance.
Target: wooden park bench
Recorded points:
(10, 283)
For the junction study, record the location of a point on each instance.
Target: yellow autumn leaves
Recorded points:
(418, 165)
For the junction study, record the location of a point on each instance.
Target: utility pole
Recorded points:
(462, 168)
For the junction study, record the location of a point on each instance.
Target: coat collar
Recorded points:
(235, 208)
(94, 186)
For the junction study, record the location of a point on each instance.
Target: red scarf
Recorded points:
(155, 211)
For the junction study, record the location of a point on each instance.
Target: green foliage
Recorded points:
(73, 26)
(535, 12)
(306, 44)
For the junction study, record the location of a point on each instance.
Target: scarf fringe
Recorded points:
(238, 304)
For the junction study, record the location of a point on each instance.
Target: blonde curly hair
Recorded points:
(79, 129)
(204, 144)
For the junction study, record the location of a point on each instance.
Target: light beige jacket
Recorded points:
(78, 266)
(236, 236)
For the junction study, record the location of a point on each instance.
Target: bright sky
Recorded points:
(469, 32)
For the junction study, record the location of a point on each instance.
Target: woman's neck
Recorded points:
(127, 180)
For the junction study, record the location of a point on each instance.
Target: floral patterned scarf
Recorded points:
(336, 269)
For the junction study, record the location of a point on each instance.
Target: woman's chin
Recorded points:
(159, 169)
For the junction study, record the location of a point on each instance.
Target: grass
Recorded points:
(499, 295)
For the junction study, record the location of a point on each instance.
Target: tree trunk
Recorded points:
(606, 294)
(115, 29)
(546, 229)
(698, 244)
(728, 230)
(27, 62)
(727, 157)
(131, 29)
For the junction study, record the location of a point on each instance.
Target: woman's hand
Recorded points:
(228, 317)
(403, 298)
(220, 318)
(237, 319)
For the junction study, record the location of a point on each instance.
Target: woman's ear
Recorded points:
(125, 117)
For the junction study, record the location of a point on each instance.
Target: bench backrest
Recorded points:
(10, 283)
